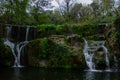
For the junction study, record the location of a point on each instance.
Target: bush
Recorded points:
(84, 29)
(44, 49)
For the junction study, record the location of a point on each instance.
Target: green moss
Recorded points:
(6, 56)
(47, 53)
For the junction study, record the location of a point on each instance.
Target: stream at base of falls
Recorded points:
(55, 74)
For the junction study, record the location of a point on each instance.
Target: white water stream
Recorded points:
(16, 47)
(89, 52)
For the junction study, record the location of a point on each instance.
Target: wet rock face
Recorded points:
(112, 34)
(99, 59)
(6, 57)
(1, 32)
(18, 34)
(101, 28)
(117, 40)
(74, 40)
(111, 38)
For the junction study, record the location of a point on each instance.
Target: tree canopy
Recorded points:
(68, 11)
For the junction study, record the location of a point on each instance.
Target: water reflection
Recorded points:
(101, 75)
(107, 77)
(16, 74)
(55, 74)
(89, 75)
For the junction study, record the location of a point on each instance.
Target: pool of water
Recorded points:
(55, 74)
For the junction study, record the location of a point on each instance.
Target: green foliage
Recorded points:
(84, 29)
(60, 55)
(6, 56)
(46, 30)
(45, 26)
(117, 26)
(59, 29)
(22, 12)
(15, 11)
(51, 51)
(56, 18)
(45, 49)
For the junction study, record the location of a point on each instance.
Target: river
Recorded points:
(55, 74)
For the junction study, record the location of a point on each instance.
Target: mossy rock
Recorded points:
(47, 53)
(6, 56)
(112, 39)
(99, 59)
(74, 40)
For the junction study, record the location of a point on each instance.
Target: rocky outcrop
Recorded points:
(6, 57)
(112, 42)
(56, 51)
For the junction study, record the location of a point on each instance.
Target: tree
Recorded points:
(76, 12)
(39, 5)
(15, 11)
(103, 10)
(95, 8)
(37, 9)
(22, 11)
(65, 8)
(117, 8)
(56, 18)
(107, 6)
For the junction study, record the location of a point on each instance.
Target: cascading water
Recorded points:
(8, 29)
(106, 57)
(16, 47)
(11, 45)
(27, 32)
(89, 56)
(19, 48)
(89, 52)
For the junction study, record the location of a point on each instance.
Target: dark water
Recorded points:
(55, 74)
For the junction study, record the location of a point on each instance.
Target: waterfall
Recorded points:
(11, 45)
(27, 32)
(106, 57)
(88, 56)
(89, 52)
(7, 42)
(16, 49)
(8, 29)
(19, 48)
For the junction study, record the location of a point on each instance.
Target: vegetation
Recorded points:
(51, 54)
(34, 12)
(67, 19)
